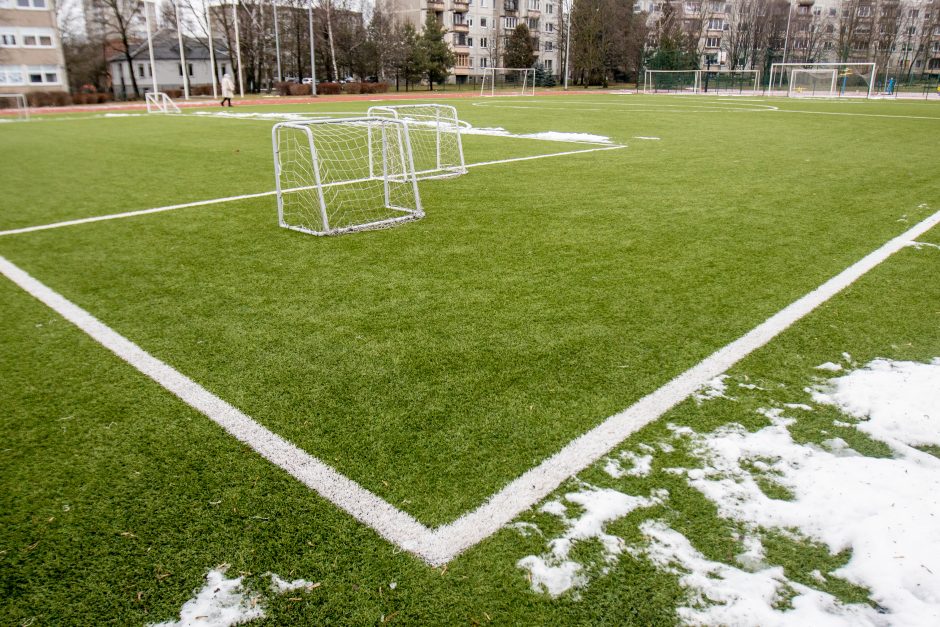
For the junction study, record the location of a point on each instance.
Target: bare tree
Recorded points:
(119, 19)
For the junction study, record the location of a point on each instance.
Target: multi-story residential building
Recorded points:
(478, 29)
(900, 36)
(31, 56)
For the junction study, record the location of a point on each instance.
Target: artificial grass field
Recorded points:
(431, 363)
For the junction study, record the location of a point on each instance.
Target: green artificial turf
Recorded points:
(433, 362)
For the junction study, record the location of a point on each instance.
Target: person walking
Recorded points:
(228, 89)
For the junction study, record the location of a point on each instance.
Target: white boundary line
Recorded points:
(439, 546)
(201, 203)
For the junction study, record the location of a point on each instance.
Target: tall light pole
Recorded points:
(567, 38)
(179, 37)
(313, 65)
(153, 64)
(215, 91)
(277, 41)
(786, 37)
(238, 50)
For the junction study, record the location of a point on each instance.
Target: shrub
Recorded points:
(283, 88)
(48, 99)
(299, 90)
(374, 88)
(354, 88)
(329, 89)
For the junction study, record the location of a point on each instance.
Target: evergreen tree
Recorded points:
(519, 53)
(412, 60)
(438, 57)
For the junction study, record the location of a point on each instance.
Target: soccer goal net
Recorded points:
(812, 83)
(16, 103)
(434, 131)
(671, 81)
(730, 82)
(341, 175)
(503, 81)
(159, 102)
(852, 80)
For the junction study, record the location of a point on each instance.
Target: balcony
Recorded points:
(511, 7)
(435, 5)
(461, 27)
(461, 7)
(534, 13)
(461, 48)
(460, 71)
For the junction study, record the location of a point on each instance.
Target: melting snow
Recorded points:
(555, 136)
(221, 602)
(553, 571)
(715, 388)
(884, 511)
(648, 138)
(640, 465)
(281, 586)
(830, 366)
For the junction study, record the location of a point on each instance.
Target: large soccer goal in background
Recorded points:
(853, 80)
(671, 81)
(159, 102)
(16, 103)
(341, 175)
(729, 82)
(434, 131)
(507, 81)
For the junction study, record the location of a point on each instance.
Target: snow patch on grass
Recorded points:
(829, 366)
(281, 586)
(720, 594)
(715, 388)
(555, 136)
(554, 572)
(647, 138)
(897, 401)
(639, 465)
(221, 602)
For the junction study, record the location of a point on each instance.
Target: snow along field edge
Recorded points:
(446, 542)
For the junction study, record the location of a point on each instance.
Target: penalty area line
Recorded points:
(443, 544)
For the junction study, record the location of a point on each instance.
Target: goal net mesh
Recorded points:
(812, 83)
(671, 81)
(434, 131)
(498, 81)
(730, 82)
(336, 176)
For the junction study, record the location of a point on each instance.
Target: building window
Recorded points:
(548, 8)
(483, 42)
(549, 46)
(140, 70)
(712, 42)
(470, 41)
(510, 22)
(7, 40)
(549, 27)
(715, 23)
(31, 4)
(483, 22)
(548, 65)
(482, 61)
(42, 75)
(11, 75)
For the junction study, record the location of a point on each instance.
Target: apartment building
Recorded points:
(900, 36)
(478, 29)
(31, 56)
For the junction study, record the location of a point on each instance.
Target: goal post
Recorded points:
(671, 81)
(434, 132)
(508, 81)
(812, 83)
(17, 103)
(853, 80)
(159, 102)
(343, 175)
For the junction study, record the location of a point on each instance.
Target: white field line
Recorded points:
(214, 201)
(443, 544)
(862, 115)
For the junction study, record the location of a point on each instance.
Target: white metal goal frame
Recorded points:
(434, 134)
(826, 88)
(342, 175)
(723, 81)
(159, 102)
(671, 81)
(20, 105)
(526, 86)
(866, 71)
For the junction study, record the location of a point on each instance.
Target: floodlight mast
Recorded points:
(313, 64)
(179, 37)
(215, 92)
(566, 8)
(153, 64)
(277, 41)
(238, 50)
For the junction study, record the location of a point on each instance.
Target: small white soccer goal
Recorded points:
(159, 102)
(507, 81)
(342, 175)
(16, 103)
(671, 81)
(434, 131)
(853, 80)
(812, 83)
(729, 82)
